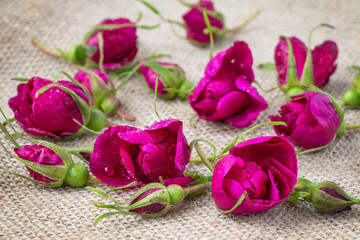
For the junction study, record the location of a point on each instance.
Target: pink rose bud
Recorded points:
(291, 55)
(45, 108)
(119, 44)
(171, 77)
(156, 201)
(225, 92)
(152, 200)
(262, 171)
(326, 196)
(97, 83)
(124, 154)
(311, 119)
(51, 166)
(195, 24)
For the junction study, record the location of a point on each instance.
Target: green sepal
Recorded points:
(323, 202)
(291, 75)
(239, 201)
(307, 76)
(168, 78)
(80, 85)
(99, 89)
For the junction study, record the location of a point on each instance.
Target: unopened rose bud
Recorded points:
(329, 197)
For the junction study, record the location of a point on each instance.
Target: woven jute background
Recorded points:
(33, 212)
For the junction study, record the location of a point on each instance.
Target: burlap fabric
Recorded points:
(33, 212)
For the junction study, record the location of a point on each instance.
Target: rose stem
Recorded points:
(246, 22)
(197, 188)
(125, 115)
(45, 49)
(353, 126)
(203, 158)
(210, 158)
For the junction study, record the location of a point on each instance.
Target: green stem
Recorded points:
(128, 76)
(197, 188)
(86, 149)
(210, 158)
(203, 158)
(21, 79)
(352, 126)
(45, 49)
(207, 21)
(93, 180)
(245, 23)
(101, 50)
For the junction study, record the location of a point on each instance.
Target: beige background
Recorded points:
(29, 211)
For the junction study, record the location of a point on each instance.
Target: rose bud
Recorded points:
(326, 196)
(103, 94)
(297, 64)
(152, 200)
(195, 24)
(329, 197)
(225, 93)
(49, 165)
(98, 84)
(119, 44)
(255, 176)
(170, 80)
(124, 154)
(45, 108)
(312, 120)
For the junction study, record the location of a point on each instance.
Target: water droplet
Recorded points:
(109, 171)
(241, 65)
(232, 60)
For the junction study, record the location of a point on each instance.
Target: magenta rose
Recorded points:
(323, 60)
(119, 44)
(311, 120)
(50, 114)
(225, 92)
(265, 168)
(125, 154)
(195, 23)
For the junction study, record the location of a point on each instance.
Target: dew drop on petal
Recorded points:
(109, 171)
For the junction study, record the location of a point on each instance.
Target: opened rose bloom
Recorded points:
(119, 44)
(323, 60)
(195, 23)
(51, 113)
(263, 169)
(311, 120)
(225, 92)
(124, 154)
